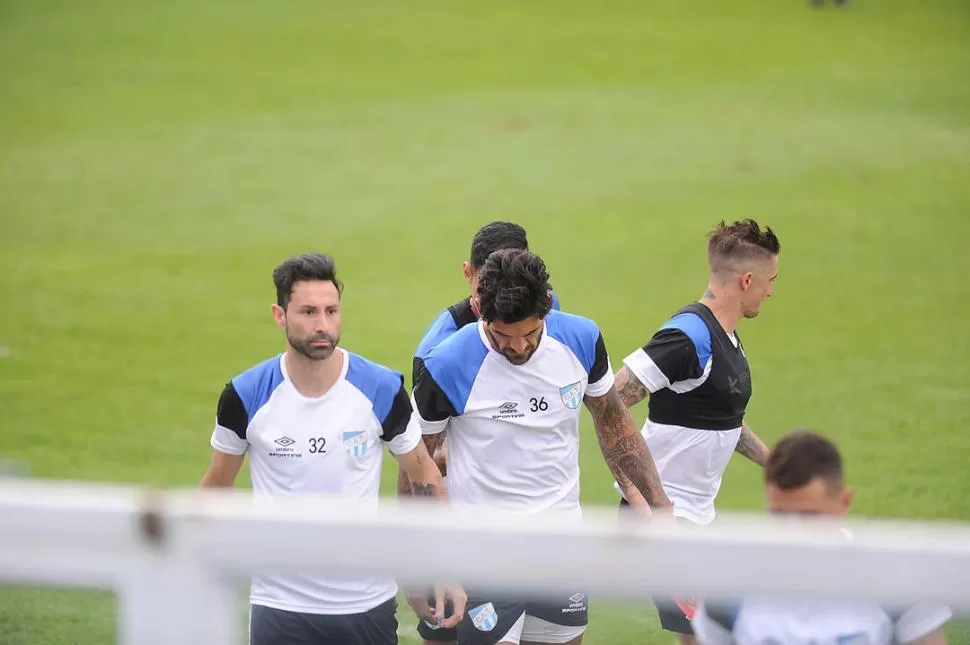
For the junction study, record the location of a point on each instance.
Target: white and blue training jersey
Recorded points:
(329, 445)
(513, 430)
(777, 622)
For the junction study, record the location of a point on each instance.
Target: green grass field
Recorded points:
(157, 160)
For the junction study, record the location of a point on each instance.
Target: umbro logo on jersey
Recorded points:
(508, 410)
(285, 448)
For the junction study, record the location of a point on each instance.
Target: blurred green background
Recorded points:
(157, 160)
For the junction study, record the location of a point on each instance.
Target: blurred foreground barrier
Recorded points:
(176, 558)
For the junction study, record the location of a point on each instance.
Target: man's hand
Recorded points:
(458, 598)
(624, 448)
(420, 603)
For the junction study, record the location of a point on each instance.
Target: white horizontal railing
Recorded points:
(176, 557)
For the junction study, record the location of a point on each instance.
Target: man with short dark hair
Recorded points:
(508, 390)
(803, 476)
(312, 421)
(695, 372)
(488, 239)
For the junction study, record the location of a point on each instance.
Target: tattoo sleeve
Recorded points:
(629, 387)
(751, 446)
(624, 449)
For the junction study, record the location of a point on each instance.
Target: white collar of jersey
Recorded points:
(543, 343)
(343, 375)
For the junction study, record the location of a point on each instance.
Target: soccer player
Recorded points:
(312, 420)
(696, 374)
(804, 476)
(507, 390)
(490, 238)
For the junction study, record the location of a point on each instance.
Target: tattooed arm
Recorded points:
(434, 443)
(421, 473)
(751, 446)
(629, 387)
(624, 449)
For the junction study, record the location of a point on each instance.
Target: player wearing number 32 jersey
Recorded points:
(507, 390)
(313, 421)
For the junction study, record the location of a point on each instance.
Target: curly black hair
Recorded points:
(514, 286)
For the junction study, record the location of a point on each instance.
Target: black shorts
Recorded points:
(268, 626)
(675, 612)
(488, 619)
(438, 634)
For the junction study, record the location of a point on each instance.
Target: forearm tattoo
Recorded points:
(625, 451)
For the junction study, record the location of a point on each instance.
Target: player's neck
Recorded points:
(726, 309)
(311, 378)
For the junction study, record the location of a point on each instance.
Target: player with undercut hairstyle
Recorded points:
(695, 372)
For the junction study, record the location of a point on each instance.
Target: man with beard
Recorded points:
(508, 390)
(312, 420)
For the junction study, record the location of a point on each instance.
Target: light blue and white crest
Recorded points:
(484, 617)
(572, 395)
(853, 639)
(355, 443)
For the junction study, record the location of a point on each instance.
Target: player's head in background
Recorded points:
(743, 260)
(307, 305)
(489, 239)
(803, 475)
(514, 298)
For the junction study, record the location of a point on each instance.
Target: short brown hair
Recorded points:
(306, 267)
(730, 246)
(801, 456)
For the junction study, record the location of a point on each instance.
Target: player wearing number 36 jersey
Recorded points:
(507, 390)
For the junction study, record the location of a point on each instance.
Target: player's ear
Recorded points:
(847, 495)
(279, 315)
(467, 270)
(476, 305)
(746, 279)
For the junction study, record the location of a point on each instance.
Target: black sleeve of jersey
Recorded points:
(430, 399)
(601, 361)
(674, 353)
(396, 421)
(231, 413)
(417, 366)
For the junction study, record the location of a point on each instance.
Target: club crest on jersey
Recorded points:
(572, 395)
(484, 617)
(355, 443)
